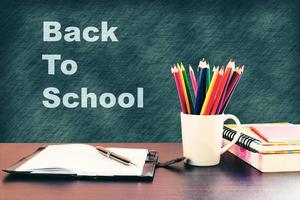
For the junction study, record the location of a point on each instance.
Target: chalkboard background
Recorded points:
(263, 35)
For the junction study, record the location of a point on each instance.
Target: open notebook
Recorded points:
(83, 160)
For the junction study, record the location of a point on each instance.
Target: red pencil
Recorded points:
(193, 80)
(233, 82)
(221, 89)
(214, 92)
(179, 89)
(231, 64)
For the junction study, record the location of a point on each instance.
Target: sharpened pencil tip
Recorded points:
(207, 65)
(242, 68)
(202, 63)
(231, 64)
(221, 72)
(181, 64)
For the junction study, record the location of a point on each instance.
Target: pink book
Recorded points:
(267, 162)
(266, 158)
(278, 133)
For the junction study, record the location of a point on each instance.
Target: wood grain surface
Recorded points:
(232, 179)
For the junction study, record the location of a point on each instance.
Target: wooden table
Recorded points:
(232, 179)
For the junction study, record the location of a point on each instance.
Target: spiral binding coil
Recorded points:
(243, 141)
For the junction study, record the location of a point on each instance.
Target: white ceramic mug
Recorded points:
(202, 138)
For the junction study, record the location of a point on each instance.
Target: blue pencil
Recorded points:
(201, 90)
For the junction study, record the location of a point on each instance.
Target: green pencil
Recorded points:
(207, 77)
(188, 88)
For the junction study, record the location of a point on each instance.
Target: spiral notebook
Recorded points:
(264, 156)
(253, 142)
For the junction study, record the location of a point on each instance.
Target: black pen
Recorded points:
(114, 156)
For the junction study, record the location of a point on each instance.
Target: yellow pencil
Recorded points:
(184, 90)
(212, 83)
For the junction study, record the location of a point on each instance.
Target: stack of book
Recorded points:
(267, 147)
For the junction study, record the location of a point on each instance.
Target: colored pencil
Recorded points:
(188, 108)
(201, 88)
(214, 77)
(179, 89)
(232, 86)
(207, 77)
(202, 62)
(232, 83)
(212, 96)
(221, 89)
(210, 93)
(231, 64)
(193, 80)
(188, 88)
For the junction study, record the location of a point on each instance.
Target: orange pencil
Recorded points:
(213, 80)
(214, 92)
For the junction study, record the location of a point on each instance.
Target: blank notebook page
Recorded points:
(278, 133)
(82, 159)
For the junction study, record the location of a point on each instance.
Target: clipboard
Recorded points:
(148, 172)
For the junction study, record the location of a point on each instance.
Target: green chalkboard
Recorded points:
(263, 35)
